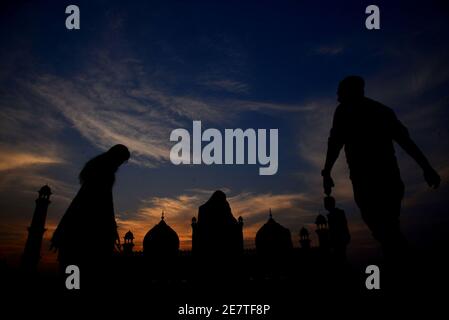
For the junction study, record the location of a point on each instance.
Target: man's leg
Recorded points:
(380, 208)
(385, 228)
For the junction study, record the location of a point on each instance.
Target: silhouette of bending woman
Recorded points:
(367, 129)
(87, 233)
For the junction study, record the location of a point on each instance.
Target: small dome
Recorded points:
(321, 220)
(129, 235)
(161, 240)
(303, 233)
(45, 190)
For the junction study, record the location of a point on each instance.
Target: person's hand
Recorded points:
(328, 184)
(432, 178)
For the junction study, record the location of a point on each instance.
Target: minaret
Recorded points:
(128, 244)
(31, 254)
(323, 232)
(304, 239)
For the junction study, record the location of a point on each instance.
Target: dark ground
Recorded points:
(294, 287)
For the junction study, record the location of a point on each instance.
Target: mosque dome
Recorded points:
(161, 240)
(273, 239)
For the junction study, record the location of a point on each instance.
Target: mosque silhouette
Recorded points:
(218, 269)
(217, 242)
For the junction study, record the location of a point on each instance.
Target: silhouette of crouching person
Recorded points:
(87, 233)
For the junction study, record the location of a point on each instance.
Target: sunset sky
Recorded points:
(136, 70)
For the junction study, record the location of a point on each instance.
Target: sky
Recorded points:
(137, 70)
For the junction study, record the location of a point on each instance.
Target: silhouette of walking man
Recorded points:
(87, 233)
(367, 129)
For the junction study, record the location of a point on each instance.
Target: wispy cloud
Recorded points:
(25, 170)
(114, 102)
(329, 50)
(13, 160)
(228, 85)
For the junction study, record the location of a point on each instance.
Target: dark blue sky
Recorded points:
(138, 69)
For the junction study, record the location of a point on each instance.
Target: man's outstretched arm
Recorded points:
(402, 137)
(334, 145)
(333, 151)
